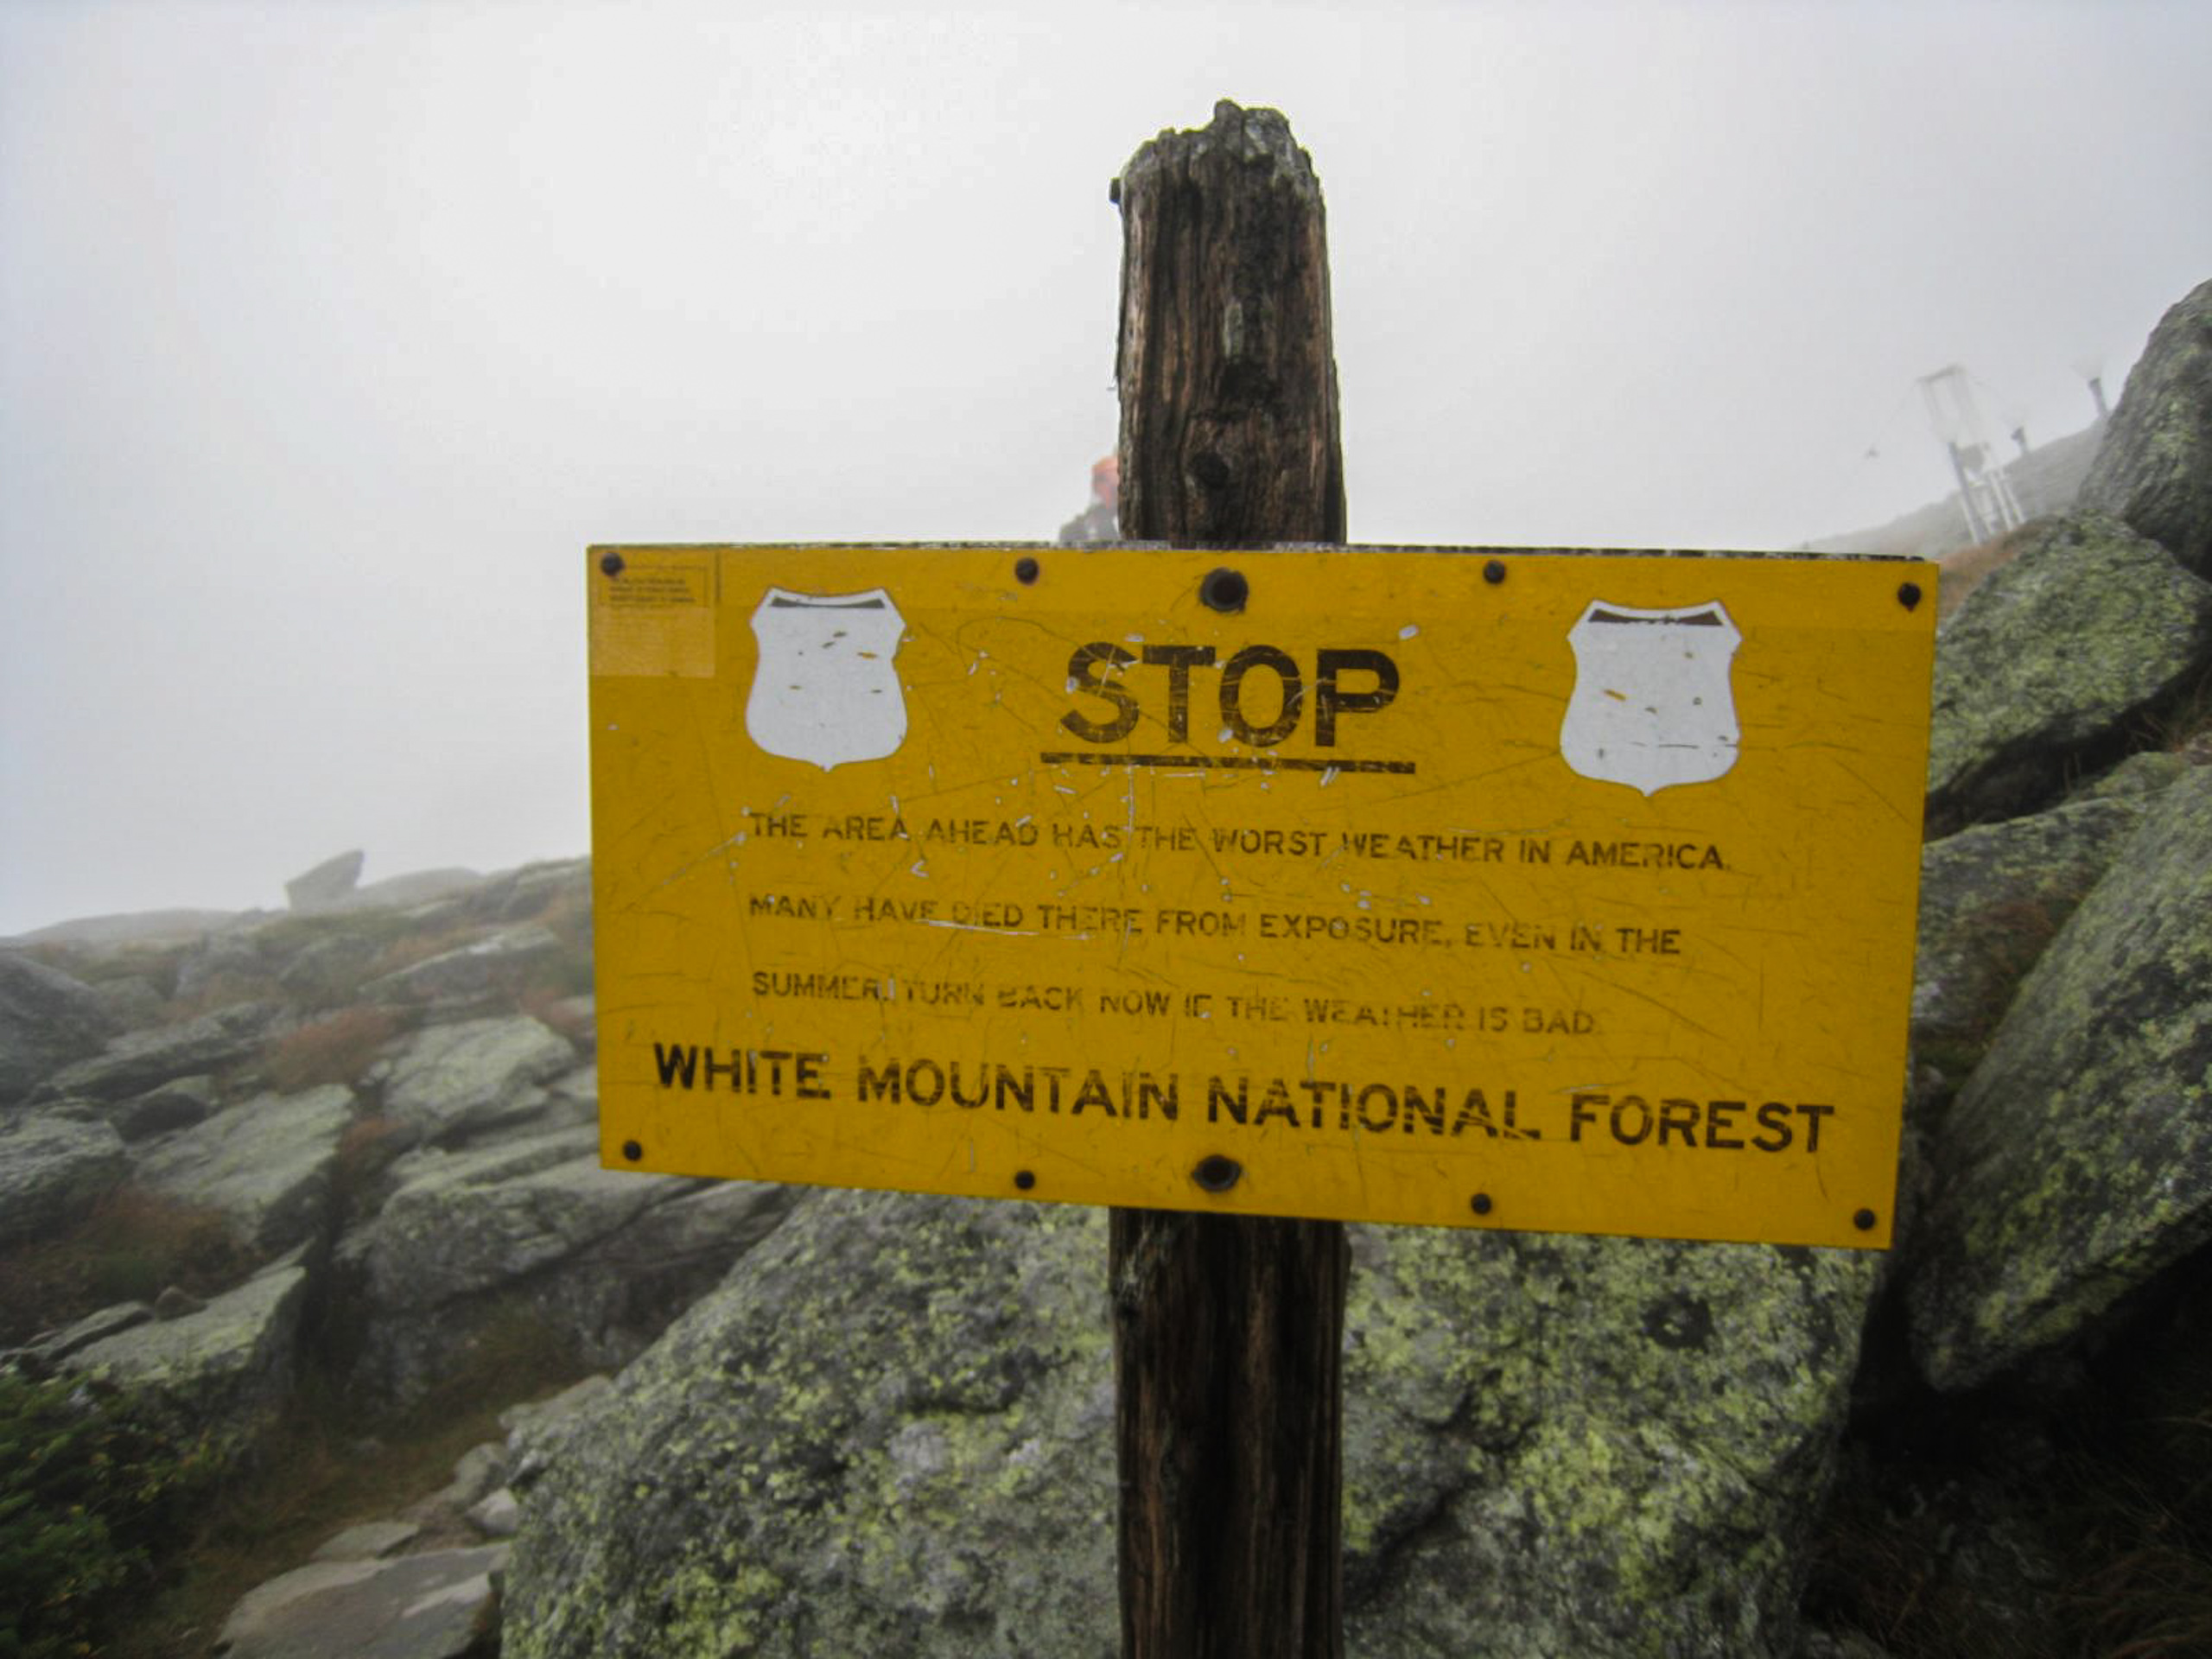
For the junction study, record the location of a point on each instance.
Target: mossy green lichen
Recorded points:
(2078, 1158)
(2154, 469)
(1572, 1446)
(892, 1430)
(2053, 661)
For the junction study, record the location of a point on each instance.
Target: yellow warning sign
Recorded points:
(1570, 891)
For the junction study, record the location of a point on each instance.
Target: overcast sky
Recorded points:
(330, 334)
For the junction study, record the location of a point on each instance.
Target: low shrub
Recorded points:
(94, 1484)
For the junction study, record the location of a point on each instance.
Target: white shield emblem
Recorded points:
(1652, 707)
(825, 691)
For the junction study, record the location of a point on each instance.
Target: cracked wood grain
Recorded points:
(1228, 1331)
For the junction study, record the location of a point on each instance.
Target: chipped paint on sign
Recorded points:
(1581, 901)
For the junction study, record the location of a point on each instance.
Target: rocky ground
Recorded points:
(349, 1151)
(354, 1142)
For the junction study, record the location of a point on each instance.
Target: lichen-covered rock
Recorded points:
(452, 1081)
(573, 1096)
(328, 969)
(2052, 660)
(141, 1060)
(133, 1000)
(54, 1167)
(496, 1515)
(439, 1605)
(607, 1257)
(2077, 1160)
(369, 1540)
(325, 886)
(623, 1292)
(414, 890)
(892, 1430)
(483, 970)
(266, 1163)
(47, 1019)
(463, 1224)
(536, 888)
(476, 1474)
(431, 1171)
(2155, 468)
(175, 1105)
(537, 1428)
(228, 1366)
(1845, 1644)
(1991, 899)
(2143, 773)
(1568, 1448)
(39, 1358)
(225, 966)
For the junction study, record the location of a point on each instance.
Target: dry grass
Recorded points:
(566, 973)
(365, 1150)
(132, 1246)
(2185, 727)
(556, 1008)
(2014, 936)
(2106, 1492)
(1884, 1577)
(408, 949)
(337, 1049)
(2153, 1601)
(2016, 932)
(2133, 1582)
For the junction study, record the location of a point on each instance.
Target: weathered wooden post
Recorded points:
(1228, 1331)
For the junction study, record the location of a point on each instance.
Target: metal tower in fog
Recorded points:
(1984, 490)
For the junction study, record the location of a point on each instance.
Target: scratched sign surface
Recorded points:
(1494, 889)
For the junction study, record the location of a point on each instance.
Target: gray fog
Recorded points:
(330, 333)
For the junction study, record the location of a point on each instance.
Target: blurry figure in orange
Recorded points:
(1095, 524)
